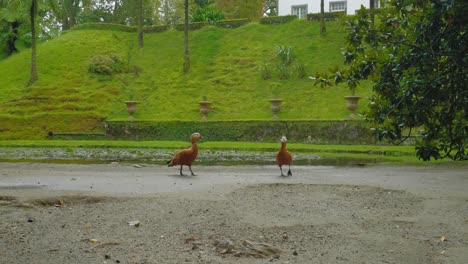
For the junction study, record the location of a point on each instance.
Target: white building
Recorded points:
(301, 8)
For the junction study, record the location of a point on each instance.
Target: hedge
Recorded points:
(277, 19)
(192, 26)
(77, 136)
(155, 29)
(105, 26)
(306, 131)
(119, 27)
(328, 16)
(232, 23)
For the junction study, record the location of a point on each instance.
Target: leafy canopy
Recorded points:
(417, 55)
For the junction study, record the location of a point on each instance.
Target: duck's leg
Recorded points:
(181, 174)
(190, 167)
(281, 169)
(289, 171)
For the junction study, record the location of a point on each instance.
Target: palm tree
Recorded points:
(322, 17)
(186, 49)
(33, 13)
(140, 23)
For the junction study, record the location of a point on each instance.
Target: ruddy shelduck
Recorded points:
(186, 156)
(284, 157)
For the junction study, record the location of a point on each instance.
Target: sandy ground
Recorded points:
(53, 213)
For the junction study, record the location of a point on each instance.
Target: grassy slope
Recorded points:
(224, 63)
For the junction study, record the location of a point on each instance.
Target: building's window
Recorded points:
(337, 6)
(299, 10)
(376, 3)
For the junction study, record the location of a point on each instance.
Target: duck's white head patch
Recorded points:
(284, 139)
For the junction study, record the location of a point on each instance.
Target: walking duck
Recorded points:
(186, 156)
(283, 157)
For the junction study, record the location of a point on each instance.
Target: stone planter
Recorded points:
(205, 108)
(275, 107)
(131, 108)
(352, 104)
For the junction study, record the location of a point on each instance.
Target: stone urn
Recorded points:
(275, 107)
(205, 108)
(131, 108)
(352, 104)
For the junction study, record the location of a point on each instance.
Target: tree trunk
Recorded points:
(186, 48)
(75, 7)
(371, 10)
(34, 77)
(322, 18)
(140, 23)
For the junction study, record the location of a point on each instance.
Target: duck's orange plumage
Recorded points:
(284, 157)
(186, 156)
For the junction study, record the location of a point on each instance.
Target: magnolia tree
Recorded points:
(416, 54)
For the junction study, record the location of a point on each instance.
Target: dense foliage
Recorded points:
(252, 9)
(417, 56)
(207, 14)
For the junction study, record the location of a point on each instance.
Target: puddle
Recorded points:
(73, 200)
(20, 186)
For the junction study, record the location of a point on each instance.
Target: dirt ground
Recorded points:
(115, 213)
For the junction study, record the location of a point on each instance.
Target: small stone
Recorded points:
(134, 223)
(107, 256)
(295, 253)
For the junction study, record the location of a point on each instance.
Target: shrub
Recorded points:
(301, 70)
(284, 66)
(284, 58)
(265, 71)
(283, 71)
(106, 64)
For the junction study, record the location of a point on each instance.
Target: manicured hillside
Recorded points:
(224, 67)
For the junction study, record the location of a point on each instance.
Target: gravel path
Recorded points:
(59, 213)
